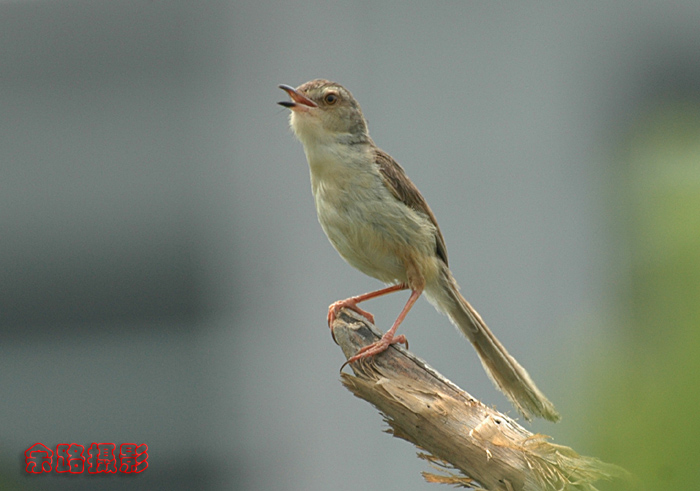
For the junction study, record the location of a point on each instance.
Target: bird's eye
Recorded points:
(331, 98)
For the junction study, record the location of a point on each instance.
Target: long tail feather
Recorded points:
(511, 378)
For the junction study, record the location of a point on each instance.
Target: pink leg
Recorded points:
(351, 303)
(388, 338)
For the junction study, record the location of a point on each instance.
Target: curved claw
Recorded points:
(376, 348)
(350, 303)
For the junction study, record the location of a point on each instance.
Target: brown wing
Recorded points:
(405, 191)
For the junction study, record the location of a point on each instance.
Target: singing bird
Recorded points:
(378, 221)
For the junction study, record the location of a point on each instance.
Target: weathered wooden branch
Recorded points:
(491, 451)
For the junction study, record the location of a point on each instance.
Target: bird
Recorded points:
(379, 223)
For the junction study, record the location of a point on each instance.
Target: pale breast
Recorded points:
(371, 229)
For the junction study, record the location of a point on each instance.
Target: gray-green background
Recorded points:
(163, 279)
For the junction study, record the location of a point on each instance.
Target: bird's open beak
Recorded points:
(299, 101)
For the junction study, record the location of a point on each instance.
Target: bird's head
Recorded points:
(324, 111)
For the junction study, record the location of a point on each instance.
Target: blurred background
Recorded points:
(164, 279)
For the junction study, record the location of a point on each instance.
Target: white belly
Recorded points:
(372, 230)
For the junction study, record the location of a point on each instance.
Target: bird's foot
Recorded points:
(377, 347)
(350, 303)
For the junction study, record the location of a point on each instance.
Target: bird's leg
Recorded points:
(388, 338)
(351, 303)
